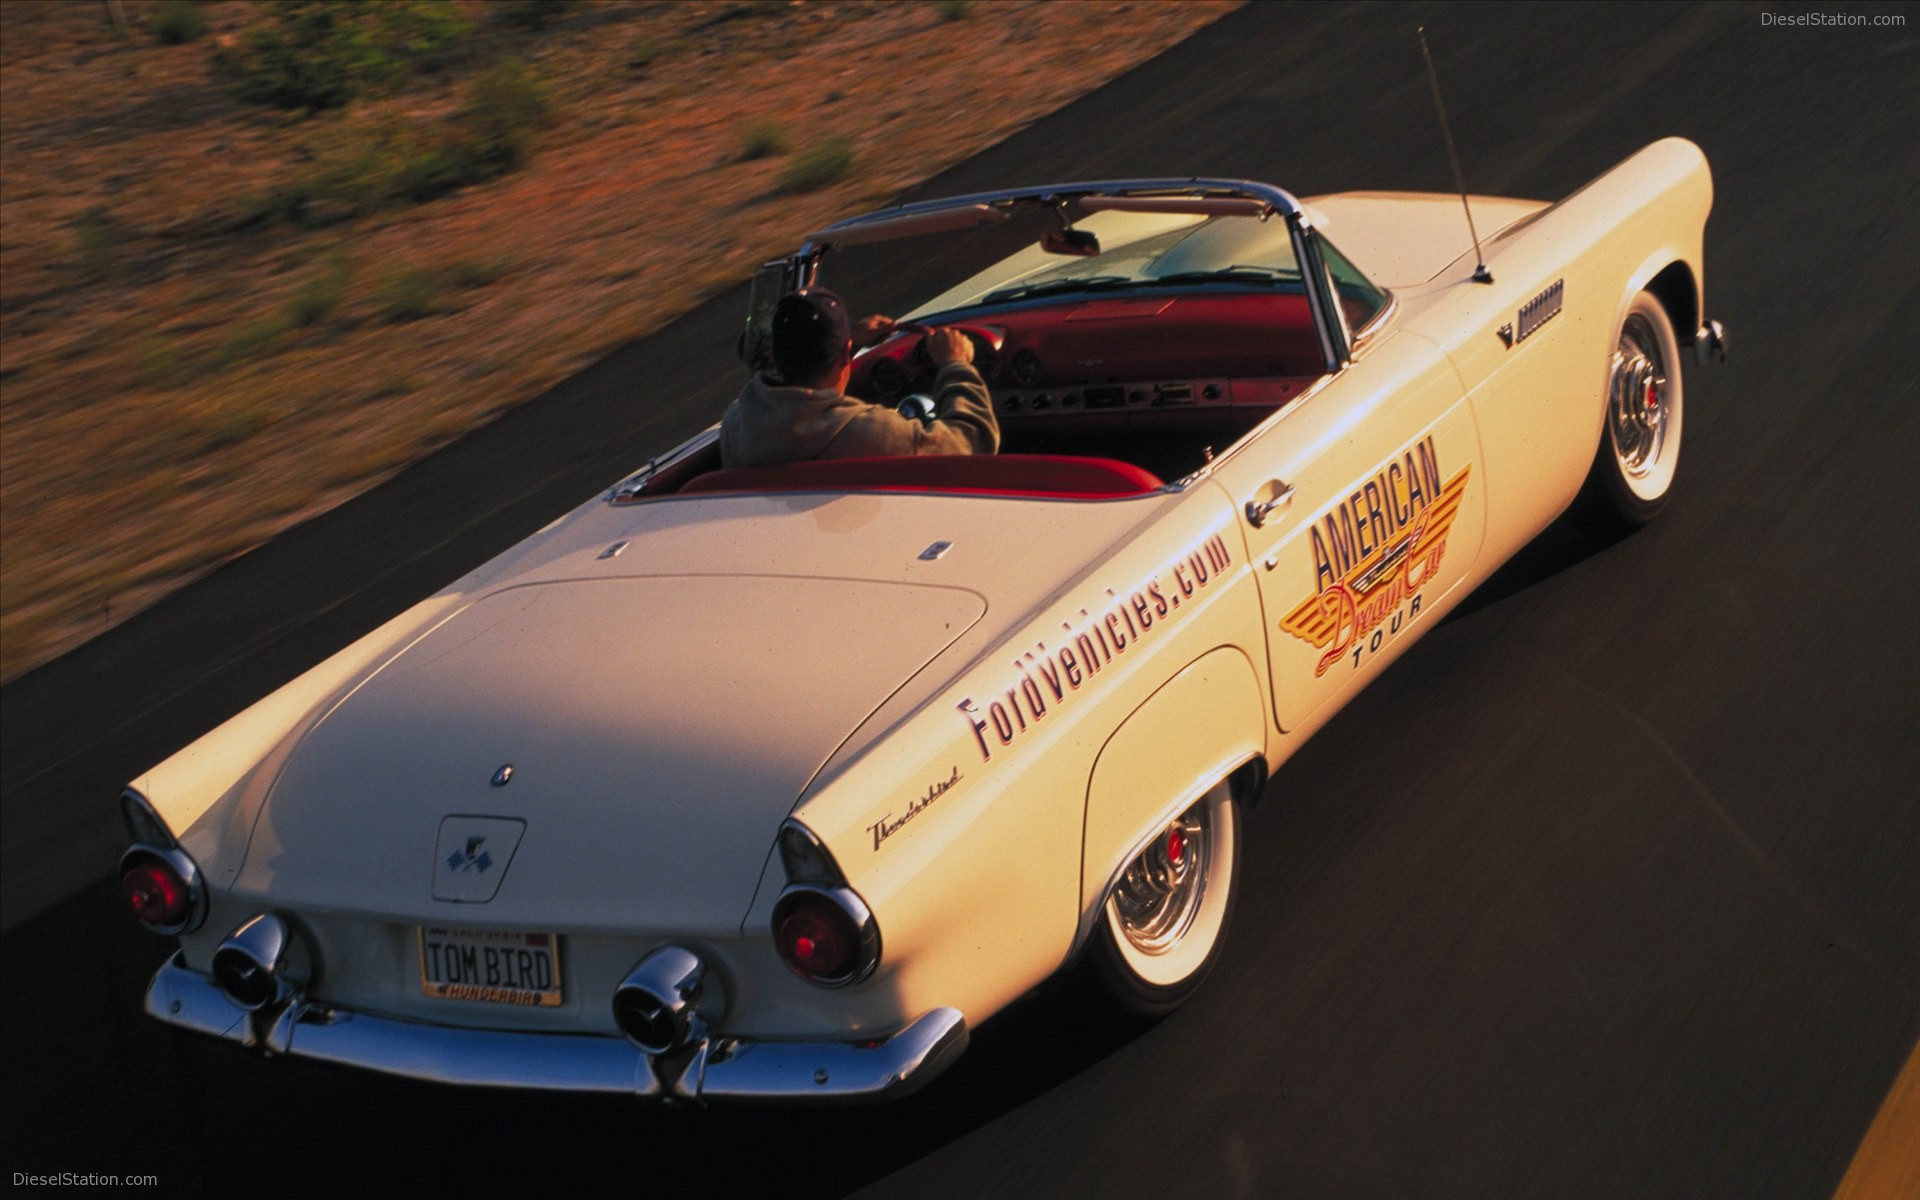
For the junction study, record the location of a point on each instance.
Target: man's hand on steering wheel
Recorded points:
(948, 345)
(873, 330)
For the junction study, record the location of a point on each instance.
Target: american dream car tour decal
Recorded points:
(1089, 646)
(1373, 553)
(885, 827)
(1533, 314)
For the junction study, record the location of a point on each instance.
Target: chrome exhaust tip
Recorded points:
(667, 1002)
(250, 968)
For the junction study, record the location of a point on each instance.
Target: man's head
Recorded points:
(812, 338)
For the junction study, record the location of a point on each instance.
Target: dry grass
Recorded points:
(180, 378)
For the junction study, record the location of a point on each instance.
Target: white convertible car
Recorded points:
(773, 782)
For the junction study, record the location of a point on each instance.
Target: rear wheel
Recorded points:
(1166, 917)
(1633, 469)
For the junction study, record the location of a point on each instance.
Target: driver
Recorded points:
(800, 409)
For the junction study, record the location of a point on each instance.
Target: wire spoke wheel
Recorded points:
(1157, 896)
(1166, 914)
(1638, 402)
(1639, 450)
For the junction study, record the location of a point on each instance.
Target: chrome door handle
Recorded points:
(1259, 510)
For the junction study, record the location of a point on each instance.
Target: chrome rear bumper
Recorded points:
(725, 1069)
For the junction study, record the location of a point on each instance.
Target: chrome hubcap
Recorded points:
(1160, 891)
(1637, 400)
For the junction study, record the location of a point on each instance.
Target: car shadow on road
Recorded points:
(1562, 545)
(92, 1081)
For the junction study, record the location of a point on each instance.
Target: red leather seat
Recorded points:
(1045, 476)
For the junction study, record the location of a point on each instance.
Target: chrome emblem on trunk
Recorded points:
(504, 775)
(472, 855)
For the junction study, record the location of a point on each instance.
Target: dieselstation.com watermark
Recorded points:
(1833, 19)
(83, 1179)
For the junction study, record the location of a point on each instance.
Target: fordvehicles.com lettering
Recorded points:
(1048, 675)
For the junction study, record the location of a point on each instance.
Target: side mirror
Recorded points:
(1079, 243)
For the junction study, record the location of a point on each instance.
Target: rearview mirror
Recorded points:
(1080, 243)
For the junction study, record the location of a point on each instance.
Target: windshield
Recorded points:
(1137, 250)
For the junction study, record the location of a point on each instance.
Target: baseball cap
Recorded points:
(810, 332)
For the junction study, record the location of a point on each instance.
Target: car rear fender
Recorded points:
(1200, 727)
(209, 792)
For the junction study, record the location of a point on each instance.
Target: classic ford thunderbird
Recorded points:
(774, 782)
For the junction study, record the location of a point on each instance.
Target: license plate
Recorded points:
(498, 968)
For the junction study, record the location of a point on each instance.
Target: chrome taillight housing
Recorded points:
(159, 888)
(826, 935)
(822, 930)
(158, 880)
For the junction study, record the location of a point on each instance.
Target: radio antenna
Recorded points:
(1480, 272)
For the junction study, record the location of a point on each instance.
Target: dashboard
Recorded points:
(1111, 355)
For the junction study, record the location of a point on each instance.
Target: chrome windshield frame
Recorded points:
(1335, 344)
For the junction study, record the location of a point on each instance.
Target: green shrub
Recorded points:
(530, 14)
(407, 294)
(316, 54)
(316, 299)
(762, 138)
(401, 161)
(478, 272)
(818, 166)
(97, 238)
(158, 360)
(176, 21)
(505, 104)
(235, 422)
(643, 49)
(250, 339)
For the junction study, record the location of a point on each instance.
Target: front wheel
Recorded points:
(1166, 917)
(1633, 469)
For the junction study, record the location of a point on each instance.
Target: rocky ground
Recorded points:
(190, 362)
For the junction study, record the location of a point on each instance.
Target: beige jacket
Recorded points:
(771, 423)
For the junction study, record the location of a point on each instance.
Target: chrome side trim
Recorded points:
(735, 1069)
(1329, 321)
(628, 490)
(1363, 337)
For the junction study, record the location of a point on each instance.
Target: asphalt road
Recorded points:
(1610, 887)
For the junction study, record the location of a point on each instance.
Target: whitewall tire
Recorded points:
(1633, 470)
(1166, 917)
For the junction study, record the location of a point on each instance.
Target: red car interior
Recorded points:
(1043, 476)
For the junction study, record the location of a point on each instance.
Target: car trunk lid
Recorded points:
(647, 733)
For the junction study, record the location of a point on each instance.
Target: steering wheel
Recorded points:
(981, 350)
(892, 376)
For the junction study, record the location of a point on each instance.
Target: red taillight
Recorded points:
(826, 935)
(817, 937)
(156, 894)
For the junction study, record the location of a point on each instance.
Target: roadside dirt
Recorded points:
(180, 380)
